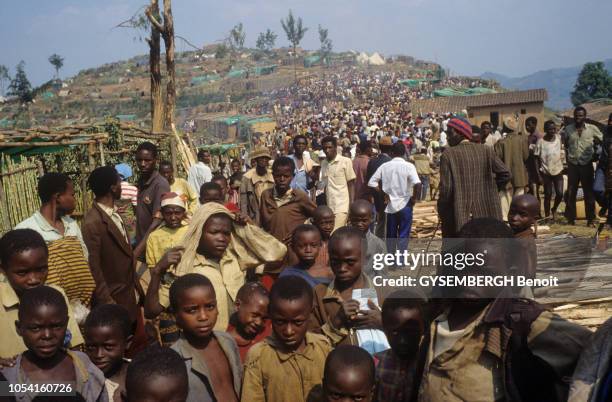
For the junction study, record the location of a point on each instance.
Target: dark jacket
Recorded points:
(281, 221)
(111, 261)
(468, 177)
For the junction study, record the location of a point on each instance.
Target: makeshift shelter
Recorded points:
(311, 61)
(236, 74)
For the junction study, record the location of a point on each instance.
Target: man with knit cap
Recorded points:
(470, 175)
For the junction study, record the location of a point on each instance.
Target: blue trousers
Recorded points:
(398, 229)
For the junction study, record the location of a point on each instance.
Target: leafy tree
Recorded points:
(237, 37)
(295, 33)
(260, 44)
(4, 78)
(326, 45)
(20, 85)
(594, 82)
(265, 41)
(221, 51)
(57, 61)
(270, 39)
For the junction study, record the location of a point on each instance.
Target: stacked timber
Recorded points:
(589, 313)
(425, 221)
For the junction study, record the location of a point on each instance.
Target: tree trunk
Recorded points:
(295, 63)
(168, 35)
(157, 105)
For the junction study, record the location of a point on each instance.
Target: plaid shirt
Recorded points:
(394, 378)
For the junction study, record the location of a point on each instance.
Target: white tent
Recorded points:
(376, 60)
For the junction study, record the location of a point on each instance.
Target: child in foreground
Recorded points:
(108, 334)
(397, 376)
(336, 313)
(42, 323)
(271, 372)
(250, 325)
(156, 374)
(306, 244)
(212, 359)
(349, 375)
(169, 234)
(23, 256)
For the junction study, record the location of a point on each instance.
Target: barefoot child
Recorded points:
(306, 244)
(250, 324)
(108, 334)
(271, 369)
(156, 374)
(349, 375)
(396, 370)
(23, 256)
(42, 323)
(212, 359)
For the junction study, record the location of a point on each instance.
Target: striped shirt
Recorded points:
(129, 192)
(69, 269)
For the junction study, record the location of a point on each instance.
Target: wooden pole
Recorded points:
(173, 145)
(102, 159)
(84, 177)
(6, 223)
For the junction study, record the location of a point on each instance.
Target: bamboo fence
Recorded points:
(18, 191)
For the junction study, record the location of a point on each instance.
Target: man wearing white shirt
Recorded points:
(200, 173)
(443, 139)
(400, 182)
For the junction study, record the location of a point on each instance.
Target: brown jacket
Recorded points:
(111, 261)
(512, 350)
(281, 221)
(327, 304)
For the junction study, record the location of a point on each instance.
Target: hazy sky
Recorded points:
(512, 37)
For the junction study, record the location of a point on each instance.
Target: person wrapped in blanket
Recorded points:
(221, 246)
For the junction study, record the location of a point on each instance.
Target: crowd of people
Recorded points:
(254, 281)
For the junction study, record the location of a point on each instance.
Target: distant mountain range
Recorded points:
(559, 82)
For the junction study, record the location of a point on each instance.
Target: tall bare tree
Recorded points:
(166, 30)
(295, 33)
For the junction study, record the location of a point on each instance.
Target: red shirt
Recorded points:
(244, 346)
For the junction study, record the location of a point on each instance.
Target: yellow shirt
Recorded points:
(162, 239)
(181, 186)
(336, 175)
(273, 376)
(12, 344)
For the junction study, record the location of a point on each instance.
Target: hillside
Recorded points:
(558, 81)
(204, 85)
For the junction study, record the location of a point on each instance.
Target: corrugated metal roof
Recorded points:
(458, 103)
